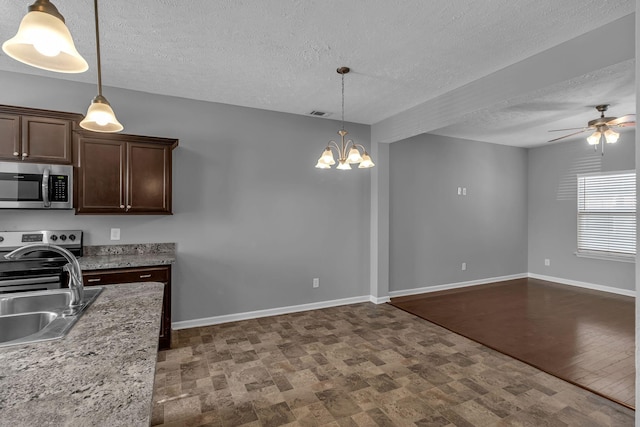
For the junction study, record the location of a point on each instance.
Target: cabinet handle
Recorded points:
(16, 154)
(145, 276)
(25, 154)
(93, 280)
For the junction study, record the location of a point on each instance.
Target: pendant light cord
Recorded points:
(95, 6)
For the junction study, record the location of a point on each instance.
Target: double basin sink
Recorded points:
(27, 317)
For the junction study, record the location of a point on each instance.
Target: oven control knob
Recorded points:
(72, 237)
(63, 237)
(1, 239)
(54, 237)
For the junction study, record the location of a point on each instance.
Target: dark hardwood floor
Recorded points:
(582, 336)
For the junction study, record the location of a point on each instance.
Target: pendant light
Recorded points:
(44, 41)
(100, 116)
(348, 152)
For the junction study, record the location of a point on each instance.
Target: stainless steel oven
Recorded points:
(35, 186)
(39, 270)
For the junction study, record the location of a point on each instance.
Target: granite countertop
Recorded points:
(101, 373)
(128, 255)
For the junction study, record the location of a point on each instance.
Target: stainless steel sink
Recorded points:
(18, 326)
(27, 317)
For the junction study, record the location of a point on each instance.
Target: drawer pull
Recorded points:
(94, 280)
(145, 276)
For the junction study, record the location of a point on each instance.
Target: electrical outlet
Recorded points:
(316, 282)
(115, 234)
(464, 191)
(547, 262)
(464, 266)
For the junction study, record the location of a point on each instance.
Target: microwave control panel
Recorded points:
(58, 188)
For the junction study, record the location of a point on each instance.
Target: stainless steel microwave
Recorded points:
(35, 186)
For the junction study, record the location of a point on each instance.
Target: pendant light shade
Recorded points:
(100, 116)
(44, 41)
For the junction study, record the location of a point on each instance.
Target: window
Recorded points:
(607, 215)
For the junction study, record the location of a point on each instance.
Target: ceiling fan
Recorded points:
(601, 126)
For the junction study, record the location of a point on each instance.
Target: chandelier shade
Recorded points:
(44, 41)
(348, 152)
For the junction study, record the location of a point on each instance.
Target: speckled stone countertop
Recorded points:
(130, 255)
(100, 374)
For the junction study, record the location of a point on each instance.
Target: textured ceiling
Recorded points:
(281, 55)
(526, 121)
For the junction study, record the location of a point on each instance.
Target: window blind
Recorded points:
(607, 214)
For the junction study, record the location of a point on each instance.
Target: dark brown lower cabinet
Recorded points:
(160, 274)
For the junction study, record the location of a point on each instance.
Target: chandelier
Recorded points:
(348, 152)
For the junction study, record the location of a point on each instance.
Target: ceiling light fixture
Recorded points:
(348, 152)
(100, 116)
(44, 41)
(609, 134)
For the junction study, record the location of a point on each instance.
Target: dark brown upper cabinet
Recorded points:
(123, 174)
(36, 136)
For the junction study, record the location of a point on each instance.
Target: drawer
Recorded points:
(128, 275)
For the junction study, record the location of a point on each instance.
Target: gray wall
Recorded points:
(253, 220)
(433, 230)
(552, 210)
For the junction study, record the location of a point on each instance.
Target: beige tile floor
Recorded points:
(358, 365)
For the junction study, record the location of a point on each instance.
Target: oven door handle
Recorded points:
(45, 188)
(29, 281)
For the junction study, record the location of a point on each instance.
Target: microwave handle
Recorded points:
(45, 188)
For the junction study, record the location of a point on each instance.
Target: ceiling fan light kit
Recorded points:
(44, 41)
(348, 152)
(602, 128)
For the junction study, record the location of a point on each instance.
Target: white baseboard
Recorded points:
(448, 286)
(379, 300)
(585, 285)
(208, 321)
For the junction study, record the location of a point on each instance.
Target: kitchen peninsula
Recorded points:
(128, 263)
(101, 373)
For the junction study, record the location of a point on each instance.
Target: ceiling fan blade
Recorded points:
(567, 136)
(620, 120)
(561, 130)
(625, 124)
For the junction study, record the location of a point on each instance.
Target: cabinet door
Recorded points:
(149, 178)
(9, 137)
(46, 140)
(101, 176)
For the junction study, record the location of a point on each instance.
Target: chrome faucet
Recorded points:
(73, 268)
